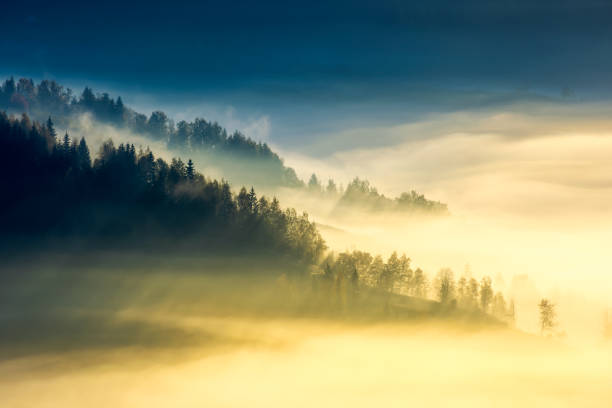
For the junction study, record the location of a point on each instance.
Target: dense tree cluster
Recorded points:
(199, 136)
(470, 294)
(240, 158)
(54, 192)
(360, 194)
(349, 274)
(52, 189)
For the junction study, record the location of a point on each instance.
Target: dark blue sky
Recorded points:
(331, 61)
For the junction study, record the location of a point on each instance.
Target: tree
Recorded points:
(51, 128)
(486, 293)
(147, 167)
(473, 294)
(158, 125)
(547, 316)
(314, 184)
(375, 270)
(355, 281)
(253, 205)
(243, 202)
(444, 285)
(190, 171)
(499, 306)
(66, 144)
(405, 275)
(9, 87)
(118, 111)
(180, 139)
(83, 155)
(88, 99)
(419, 285)
(331, 188)
(391, 272)
(463, 292)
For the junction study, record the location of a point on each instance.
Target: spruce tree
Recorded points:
(190, 170)
(51, 128)
(83, 154)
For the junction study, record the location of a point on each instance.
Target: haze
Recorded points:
(306, 204)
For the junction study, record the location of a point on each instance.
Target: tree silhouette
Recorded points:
(51, 128)
(486, 293)
(547, 316)
(444, 285)
(190, 170)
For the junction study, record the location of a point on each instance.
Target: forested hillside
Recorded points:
(57, 196)
(52, 190)
(201, 137)
(241, 159)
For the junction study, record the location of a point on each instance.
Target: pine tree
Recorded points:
(66, 144)
(51, 128)
(253, 201)
(486, 293)
(118, 111)
(190, 170)
(83, 155)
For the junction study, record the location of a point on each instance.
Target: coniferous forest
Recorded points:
(55, 189)
(238, 156)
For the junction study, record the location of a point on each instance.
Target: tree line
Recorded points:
(361, 194)
(348, 276)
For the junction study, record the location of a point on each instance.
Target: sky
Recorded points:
(311, 69)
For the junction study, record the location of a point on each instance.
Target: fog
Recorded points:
(134, 331)
(528, 189)
(306, 363)
(527, 186)
(528, 192)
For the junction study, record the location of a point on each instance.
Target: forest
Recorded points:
(239, 157)
(59, 196)
(54, 190)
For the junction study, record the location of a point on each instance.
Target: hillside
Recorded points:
(239, 158)
(60, 200)
(127, 198)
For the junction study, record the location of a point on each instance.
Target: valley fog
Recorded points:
(128, 331)
(528, 188)
(301, 363)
